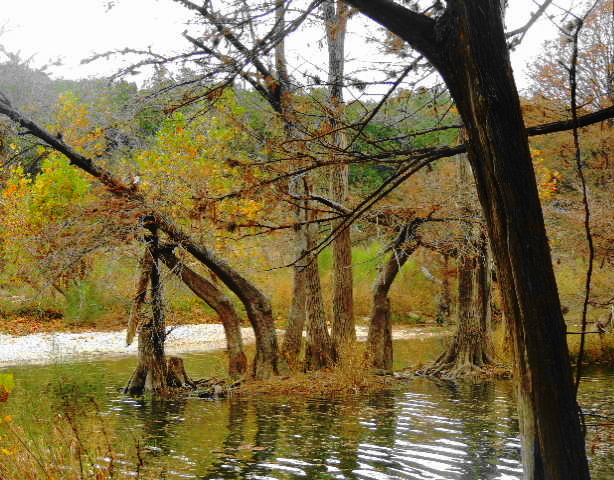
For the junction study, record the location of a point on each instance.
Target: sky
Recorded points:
(75, 29)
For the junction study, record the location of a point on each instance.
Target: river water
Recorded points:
(421, 429)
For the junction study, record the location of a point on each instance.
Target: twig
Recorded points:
(587, 213)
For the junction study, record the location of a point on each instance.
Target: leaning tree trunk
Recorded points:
(467, 45)
(256, 303)
(343, 328)
(480, 79)
(218, 301)
(379, 340)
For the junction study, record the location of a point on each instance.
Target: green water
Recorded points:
(422, 429)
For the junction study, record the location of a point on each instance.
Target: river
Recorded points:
(422, 429)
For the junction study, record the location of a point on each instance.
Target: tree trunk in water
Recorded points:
(467, 45)
(479, 77)
(379, 340)
(343, 328)
(256, 303)
(218, 301)
(471, 349)
(151, 372)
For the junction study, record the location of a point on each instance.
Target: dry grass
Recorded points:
(598, 348)
(351, 376)
(70, 449)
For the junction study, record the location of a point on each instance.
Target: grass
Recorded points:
(75, 446)
(598, 348)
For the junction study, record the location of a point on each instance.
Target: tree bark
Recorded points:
(471, 349)
(467, 45)
(151, 372)
(218, 301)
(297, 315)
(320, 351)
(379, 340)
(343, 328)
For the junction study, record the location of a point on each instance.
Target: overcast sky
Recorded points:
(74, 29)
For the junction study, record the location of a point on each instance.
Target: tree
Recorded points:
(471, 349)
(343, 329)
(595, 67)
(379, 339)
(257, 305)
(466, 44)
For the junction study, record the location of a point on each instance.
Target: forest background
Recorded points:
(47, 276)
(252, 167)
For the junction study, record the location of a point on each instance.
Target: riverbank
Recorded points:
(45, 348)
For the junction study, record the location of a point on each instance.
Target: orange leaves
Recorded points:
(548, 179)
(7, 383)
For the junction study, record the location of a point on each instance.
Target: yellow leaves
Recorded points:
(548, 179)
(250, 208)
(7, 383)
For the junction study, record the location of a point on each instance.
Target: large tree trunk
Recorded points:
(319, 350)
(467, 45)
(379, 340)
(343, 328)
(153, 373)
(471, 349)
(479, 77)
(218, 301)
(297, 315)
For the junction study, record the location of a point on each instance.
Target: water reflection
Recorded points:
(424, 430)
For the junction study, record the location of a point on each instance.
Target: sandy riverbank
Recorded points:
(44, 348)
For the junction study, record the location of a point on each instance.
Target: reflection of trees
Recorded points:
(485, 429)
(228, 465)
(158, 419)
(308, 431)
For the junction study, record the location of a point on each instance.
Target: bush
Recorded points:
(85, 303)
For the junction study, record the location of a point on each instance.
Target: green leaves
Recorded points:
(7, 384)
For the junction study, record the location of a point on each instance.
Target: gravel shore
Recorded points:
(44, 348)
(41, 348)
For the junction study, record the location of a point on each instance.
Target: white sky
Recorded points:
(75, 29)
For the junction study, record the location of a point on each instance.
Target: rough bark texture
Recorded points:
(150, 374)
(297, 315)
(146, 264)
(319, 350)
(343, 328)
(379, 340)
(218, 301)
(471, 349)
(467, 45)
